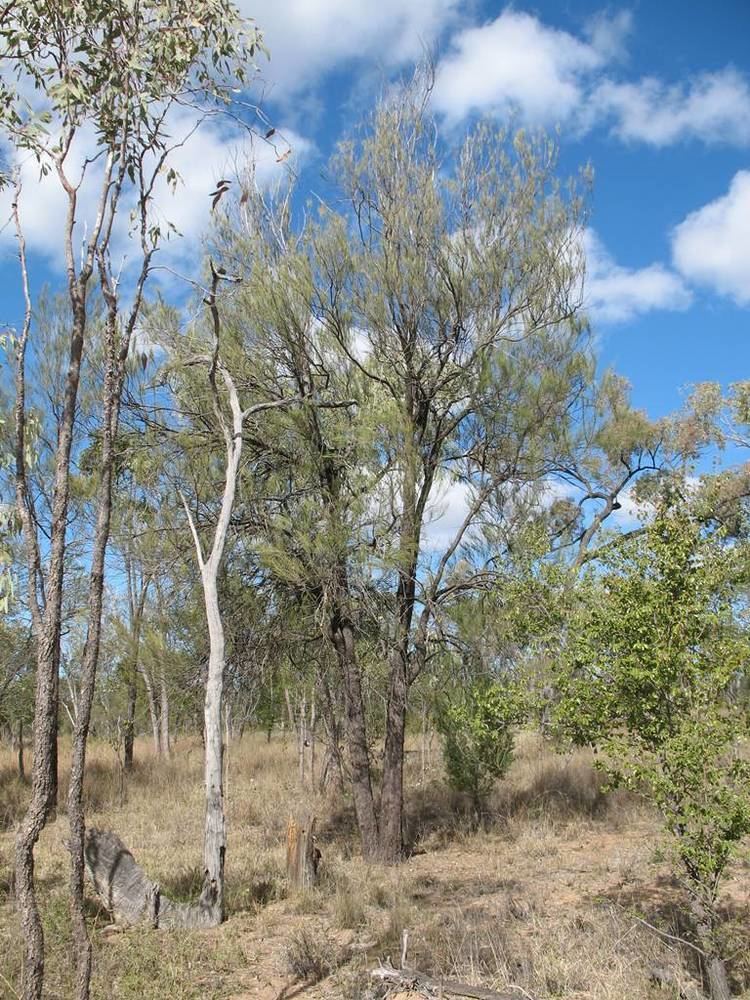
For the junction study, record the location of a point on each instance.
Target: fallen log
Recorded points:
(128, 893)
(429, 986)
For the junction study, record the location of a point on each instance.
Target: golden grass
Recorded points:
(545, 895)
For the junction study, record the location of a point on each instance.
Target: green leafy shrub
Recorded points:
(650, 661)
(477, 728)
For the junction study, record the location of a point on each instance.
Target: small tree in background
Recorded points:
(477, 727)
(650, 658)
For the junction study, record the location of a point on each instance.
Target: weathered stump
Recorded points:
(128, 893)
(302, 856)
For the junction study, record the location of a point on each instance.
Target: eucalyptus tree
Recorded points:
(88, 90)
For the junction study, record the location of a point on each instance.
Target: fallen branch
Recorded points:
(413, 979)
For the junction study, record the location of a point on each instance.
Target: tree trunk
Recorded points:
(19, 752)
(153, 710)
(47, 627)
(311, 740)
(714, 966)
(113, 383)
(342, 637)
(215, 842)
(413, 503)
(127, 892)
(302, 740)
(392, 790)
(332, 727)
(129, 739)
(164, 748)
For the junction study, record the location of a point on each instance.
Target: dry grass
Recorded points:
(546, 895)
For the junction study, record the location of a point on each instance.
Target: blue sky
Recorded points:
(655, 95)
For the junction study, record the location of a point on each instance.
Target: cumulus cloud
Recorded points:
(518, 64)
(616, 294)
(608, 34)
(309, 38)
(712, 107)
(515, 63)
(710, 247)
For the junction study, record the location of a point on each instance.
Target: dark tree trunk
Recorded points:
(129, 734)
(136, 624)
(47, 626)
(342, 636)
(392, 790)
(332, 727)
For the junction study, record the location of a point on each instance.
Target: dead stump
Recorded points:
(129, 894)
(302, 855)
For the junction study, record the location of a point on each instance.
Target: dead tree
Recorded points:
(128, 893)
(232, 429)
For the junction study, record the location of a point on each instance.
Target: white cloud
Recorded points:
(608, 34)
(615, 294)
(515, 63)
(710, 246)
(518, 64)
(308, 38)
(712, 107)
(213, 151)
(445, 514)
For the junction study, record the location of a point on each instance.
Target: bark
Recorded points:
(214, 844)
(136, 624)
(302, 856)
(19, 752)
(311, 740)
(414, 500)
(153, 709)
(46, 619)
(290, 711)
(342, 637)
(128, 739)
(164, 747)
(127, 892)
(302, 740)
(714, 966)
(215, 841)
(332, 727)
(392, 790)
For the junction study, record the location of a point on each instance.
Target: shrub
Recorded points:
(477, 728)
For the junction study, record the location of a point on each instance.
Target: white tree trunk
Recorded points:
(215, 840)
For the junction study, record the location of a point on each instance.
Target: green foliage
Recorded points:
(114, 64)
(653, 652)
(477, 727)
